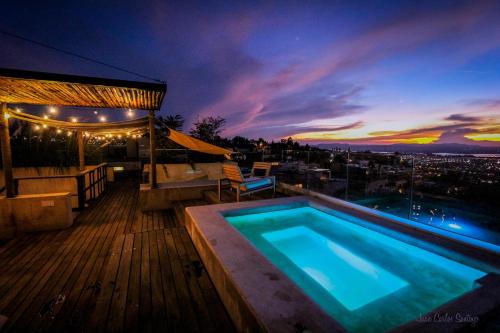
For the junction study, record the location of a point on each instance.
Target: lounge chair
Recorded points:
(261, 169)
(245, 185)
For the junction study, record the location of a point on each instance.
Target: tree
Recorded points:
(174, 122)
(163, 125)
(208, 129)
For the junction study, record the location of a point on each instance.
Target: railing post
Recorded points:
(105, 175)
(6, 151)
(92, 184)
(80, 185)
(411, 187)
(152, 150)
(81, 150)
(99, 181)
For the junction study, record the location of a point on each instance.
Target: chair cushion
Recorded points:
(254, 183)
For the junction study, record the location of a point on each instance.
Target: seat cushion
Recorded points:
(255, 183)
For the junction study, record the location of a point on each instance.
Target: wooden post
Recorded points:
(81, 150)
(6, 152)
(152, 150)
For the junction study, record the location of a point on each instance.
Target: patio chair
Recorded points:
(245, 185)
(261, 169)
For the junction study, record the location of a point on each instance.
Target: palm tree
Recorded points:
(163, 125)
(174, 122)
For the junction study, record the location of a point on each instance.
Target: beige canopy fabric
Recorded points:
(196, 144)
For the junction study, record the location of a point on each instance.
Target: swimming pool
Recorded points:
(364, 279)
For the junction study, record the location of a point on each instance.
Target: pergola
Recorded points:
(28, 87)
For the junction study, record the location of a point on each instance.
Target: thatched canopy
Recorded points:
(28, 87)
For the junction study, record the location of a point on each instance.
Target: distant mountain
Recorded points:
(452, 148)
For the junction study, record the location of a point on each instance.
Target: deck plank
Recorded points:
(119, 269)
(118, 302)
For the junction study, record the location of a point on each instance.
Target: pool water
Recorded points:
(366, 280)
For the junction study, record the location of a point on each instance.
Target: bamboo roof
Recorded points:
(28, 87)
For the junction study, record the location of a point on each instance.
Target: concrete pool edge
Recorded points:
(465, 312)
(253, 289)
(257, 295)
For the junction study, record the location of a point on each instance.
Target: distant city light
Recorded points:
(454, 226)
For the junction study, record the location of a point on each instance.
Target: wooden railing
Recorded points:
(89, 183)
(97, 181)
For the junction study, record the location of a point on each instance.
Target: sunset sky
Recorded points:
(335, 71)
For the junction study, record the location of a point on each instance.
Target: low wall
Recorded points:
(166, 173)
(166, 194)
(35, 212)
(49, 185)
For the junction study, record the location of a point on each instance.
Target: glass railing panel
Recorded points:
(455, 193)
(458, 194)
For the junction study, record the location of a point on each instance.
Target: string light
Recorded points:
(102, 118)
(6, 116)
(45, 117)
(36, 127)
(44, 126)
(130, 113)
(74, 119)
(69, 133)
(52, 110)
(95, 112)
(19, 110)
(59, 131)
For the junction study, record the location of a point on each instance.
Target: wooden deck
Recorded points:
(117, 269)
